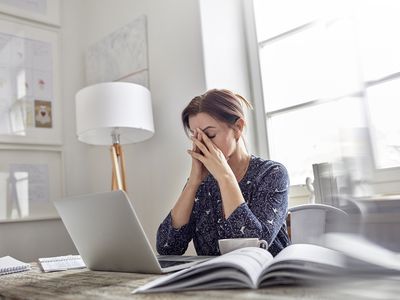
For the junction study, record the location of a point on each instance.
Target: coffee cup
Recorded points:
(228, 245)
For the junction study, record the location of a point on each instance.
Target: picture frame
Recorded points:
(30, 97)
(44, 11)
(30, 179)
(120, 56)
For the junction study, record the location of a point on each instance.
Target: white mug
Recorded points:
(228, 245)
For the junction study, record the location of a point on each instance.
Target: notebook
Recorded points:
(61, 263)
(10, 265)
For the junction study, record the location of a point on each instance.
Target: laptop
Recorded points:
(109, 237)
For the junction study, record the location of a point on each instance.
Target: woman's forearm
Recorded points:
(231, 194)
(183, 207)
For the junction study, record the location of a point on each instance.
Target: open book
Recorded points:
(254, 268)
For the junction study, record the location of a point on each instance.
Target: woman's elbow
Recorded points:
(167, 249)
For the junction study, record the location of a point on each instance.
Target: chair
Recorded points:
(307, 222)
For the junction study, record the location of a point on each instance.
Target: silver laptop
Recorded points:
(109, 237)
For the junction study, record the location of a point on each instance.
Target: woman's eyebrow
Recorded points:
(204, 129)
(208, 127)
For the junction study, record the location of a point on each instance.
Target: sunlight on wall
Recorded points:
(14, 195)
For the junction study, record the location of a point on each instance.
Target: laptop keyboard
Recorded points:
(171, 263)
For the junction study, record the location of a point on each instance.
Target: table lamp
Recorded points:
(114, 113)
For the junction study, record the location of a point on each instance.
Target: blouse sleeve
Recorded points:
(266, 211)
(173, 241)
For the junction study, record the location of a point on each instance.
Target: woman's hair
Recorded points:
(222, 105)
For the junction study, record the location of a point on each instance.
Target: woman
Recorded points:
(229, 193)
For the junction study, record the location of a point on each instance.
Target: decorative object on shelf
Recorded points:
(310, 188)
(114, 113)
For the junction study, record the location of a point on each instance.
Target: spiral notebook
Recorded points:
(10, 265)
(61, 263)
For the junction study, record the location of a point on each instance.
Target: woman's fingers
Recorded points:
(194, 147)
(196, 155)
(200, 146)
(210, 145)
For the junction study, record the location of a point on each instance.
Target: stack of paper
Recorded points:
(61, 263)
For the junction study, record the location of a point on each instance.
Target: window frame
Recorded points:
(383, 180)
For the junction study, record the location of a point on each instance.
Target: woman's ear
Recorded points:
(239, 126)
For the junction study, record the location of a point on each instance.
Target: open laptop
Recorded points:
(109, 237)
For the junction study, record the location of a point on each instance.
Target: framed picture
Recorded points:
(29, 84)
(120, 56)
(45, 11)
(30, 179)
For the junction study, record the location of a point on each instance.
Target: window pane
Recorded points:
(316, 63)
(293, 76)
(343, 70)
(383, 104)
(321, 133)
(276, 17)
(378, 30)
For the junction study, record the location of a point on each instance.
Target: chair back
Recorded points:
(309, 221)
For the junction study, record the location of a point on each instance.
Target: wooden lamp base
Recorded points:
(118, 180)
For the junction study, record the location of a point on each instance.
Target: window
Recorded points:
(330, 79)
(382, 101)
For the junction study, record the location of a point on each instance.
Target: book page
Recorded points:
(236, 269)
(302, 261)
(310, 253)
(251, 260)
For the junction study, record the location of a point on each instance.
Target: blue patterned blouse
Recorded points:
(265, 188)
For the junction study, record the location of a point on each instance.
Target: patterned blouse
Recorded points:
(265, 188)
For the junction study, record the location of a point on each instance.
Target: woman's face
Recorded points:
(218, 132)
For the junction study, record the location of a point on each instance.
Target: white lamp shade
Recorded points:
(122, 107)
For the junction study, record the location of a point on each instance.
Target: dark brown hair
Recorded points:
(223, 105)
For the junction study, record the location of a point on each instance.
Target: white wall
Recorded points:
(157, 168)
(29, 240)
(76, 161)
(224, 45)
(225, 52)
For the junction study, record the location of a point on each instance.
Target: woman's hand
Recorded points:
(210, 156)
(198, 172)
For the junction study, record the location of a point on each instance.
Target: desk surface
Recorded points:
(86, 284)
